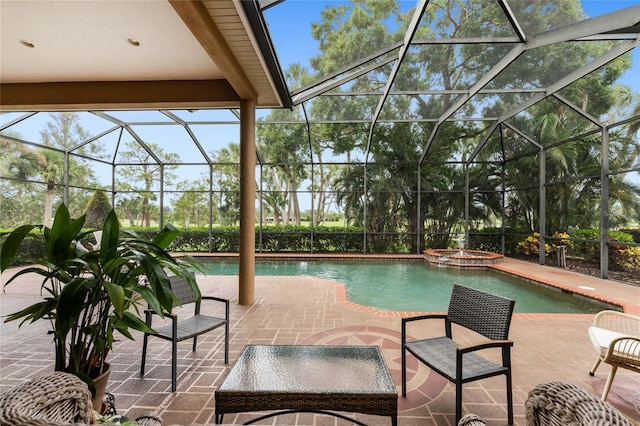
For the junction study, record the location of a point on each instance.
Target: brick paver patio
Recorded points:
(307, 310)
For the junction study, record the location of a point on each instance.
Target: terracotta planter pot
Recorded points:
(100, 383)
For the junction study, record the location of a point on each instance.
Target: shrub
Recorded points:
(97, 210)
(588, 247)
(531, 245)
(635, 233)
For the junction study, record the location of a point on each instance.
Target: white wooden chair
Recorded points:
(616, 339)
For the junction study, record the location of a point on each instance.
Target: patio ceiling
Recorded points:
(68, 55)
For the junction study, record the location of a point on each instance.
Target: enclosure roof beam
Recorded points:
(483, 81)
(601, 24)
(579, 110)
(17, 120)
(143, 144)
(94, 138)
(193, 137)
(466, 40)
(411, 31)
(417, 92)
(563, 82)
(623, 18)
(522, 134)
(512, 20)
(328, 84)
(127, 126)
(266, 4)
(347, 68)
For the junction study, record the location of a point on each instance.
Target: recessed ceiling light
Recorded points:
(133, 42)
(27, 44)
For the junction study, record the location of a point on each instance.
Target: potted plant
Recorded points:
(90, 294)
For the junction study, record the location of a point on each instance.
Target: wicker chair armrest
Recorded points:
(407, 320)
(424, 317)
(149, 419)
(485, 344)
(217, 299)
(471, 420)
(627, 347)
(165, 314)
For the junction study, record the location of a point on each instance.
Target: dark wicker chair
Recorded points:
(483, 313)
(186, 328)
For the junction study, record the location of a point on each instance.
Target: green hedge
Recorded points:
(324, 239)
(590, 250)
(490, 239)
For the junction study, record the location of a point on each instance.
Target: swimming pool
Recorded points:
(406, 285)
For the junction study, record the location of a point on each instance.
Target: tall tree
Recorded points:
(361, 28)
(141, 176)
(226, 182)
(192, 205)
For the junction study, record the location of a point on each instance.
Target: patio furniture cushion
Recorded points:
(602, 338)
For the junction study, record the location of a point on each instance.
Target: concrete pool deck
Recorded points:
(307, 310)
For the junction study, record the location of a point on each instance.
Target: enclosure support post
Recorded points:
(365, 202)
(419, 211)
(465, 244)
(247, 267)
(210, 208)
(542, 206)
(604, 204)
(161, 196)
(66, 178)
(261, 202)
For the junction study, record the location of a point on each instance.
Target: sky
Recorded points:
(294, 43)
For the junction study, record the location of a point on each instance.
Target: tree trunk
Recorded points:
(48, 205)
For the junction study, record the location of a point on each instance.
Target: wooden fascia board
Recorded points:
(117, 95)
(195, 15)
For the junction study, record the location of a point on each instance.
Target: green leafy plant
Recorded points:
(88, 295)
(531, 245)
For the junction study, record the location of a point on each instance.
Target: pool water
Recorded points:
(401, 285)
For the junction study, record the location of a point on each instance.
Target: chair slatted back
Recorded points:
(484, 313)
(182, 290)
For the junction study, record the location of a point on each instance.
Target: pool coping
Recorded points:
(341, 292)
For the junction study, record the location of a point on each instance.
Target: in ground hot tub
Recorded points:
(462, 257)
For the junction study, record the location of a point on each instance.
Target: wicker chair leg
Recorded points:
(595, 367)
(144, 354)
(174, 364)
(458, 400)
(404, 372)
(607, 386)
(509, 398)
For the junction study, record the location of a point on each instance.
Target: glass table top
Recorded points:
(296, 368)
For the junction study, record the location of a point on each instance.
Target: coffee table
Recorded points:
(307, 378)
